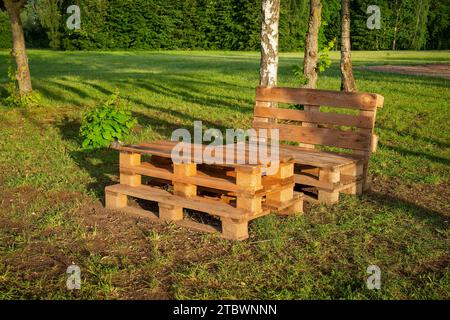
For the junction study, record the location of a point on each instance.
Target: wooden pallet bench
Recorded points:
(236, 193)
(321, 174)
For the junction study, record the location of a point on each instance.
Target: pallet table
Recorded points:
(236, 192)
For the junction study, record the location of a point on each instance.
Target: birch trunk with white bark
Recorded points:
(270, 16)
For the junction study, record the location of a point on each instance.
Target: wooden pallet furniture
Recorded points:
(325, 173)
(236, 193)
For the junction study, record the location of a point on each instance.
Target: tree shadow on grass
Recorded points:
(101, 164)
(422, 210)
(418, 154)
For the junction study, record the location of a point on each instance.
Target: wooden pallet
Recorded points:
(236, 193)
(327, 173)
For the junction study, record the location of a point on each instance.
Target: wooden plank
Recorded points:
(241, 159)
(313, 110)
(326, 137)
(200, 179)
(363, 101)
(279, 206)
(213, 207)
(314, 182)
(315, 117)
(320, 158)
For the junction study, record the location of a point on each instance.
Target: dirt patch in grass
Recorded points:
(144, 250)
(123, 257)
(432, 70)
(132, 258)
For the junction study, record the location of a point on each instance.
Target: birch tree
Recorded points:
(270, 16)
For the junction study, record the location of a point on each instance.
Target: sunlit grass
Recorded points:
(50, 186)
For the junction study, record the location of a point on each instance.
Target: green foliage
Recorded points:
(324, 56)
(322, 65)
(439, 25)
(5, 34)
(16, 100)
(49, 14)
(226, 24)
(405, 24)
(297, 70)
(109, 122)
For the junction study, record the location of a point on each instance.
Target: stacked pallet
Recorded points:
(235, 192)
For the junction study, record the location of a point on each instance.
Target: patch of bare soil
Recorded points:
(145, 254)
(432, 70)
(138, 240)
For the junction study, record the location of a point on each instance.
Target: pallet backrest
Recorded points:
(314, 127)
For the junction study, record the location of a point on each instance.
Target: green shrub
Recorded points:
(109, 122)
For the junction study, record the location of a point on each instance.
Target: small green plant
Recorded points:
(322, 65)
(324, 56)
(109, 122)
(14, 98)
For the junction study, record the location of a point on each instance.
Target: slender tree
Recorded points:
(312, 44)
(347, 80)
(311, 59)
(397, 8)
(270, 16)
(14, 7)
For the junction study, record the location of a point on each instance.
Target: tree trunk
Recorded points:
(397, 19)
(270, 15)
(19, 50)
(312, 44)
(347, 80)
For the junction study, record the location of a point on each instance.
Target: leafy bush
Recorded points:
(109, 122)
(14, 98)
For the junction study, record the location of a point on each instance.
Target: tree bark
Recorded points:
(347, 80)
(270, 16)
(312, 44)
(13, 7)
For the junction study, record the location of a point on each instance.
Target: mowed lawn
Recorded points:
(51, 190)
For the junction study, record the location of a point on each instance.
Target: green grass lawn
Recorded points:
(51, 212)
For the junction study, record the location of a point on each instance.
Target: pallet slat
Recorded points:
(314, 117)
(200, 179)
(215, 207)
(314, 97)
(321, 136)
